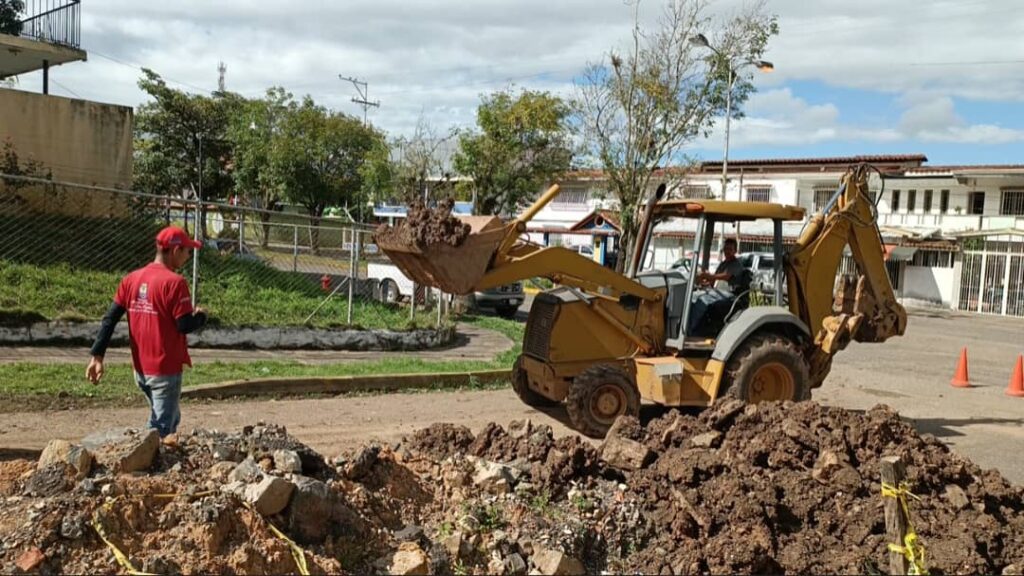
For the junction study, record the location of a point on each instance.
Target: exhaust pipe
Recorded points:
(643, 239)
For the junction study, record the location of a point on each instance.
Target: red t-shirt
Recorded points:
(155, 297)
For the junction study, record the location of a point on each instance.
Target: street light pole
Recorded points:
(728, 119)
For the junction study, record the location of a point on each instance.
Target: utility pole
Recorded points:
(222, 69)
(363, 89)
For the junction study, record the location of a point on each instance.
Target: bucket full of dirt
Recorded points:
(433, 248)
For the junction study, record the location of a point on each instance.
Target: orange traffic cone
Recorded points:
(960, 379)
(1016, 387)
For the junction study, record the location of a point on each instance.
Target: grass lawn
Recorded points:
(235, 291)
(30, 386)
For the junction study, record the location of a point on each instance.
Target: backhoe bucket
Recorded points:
(452, 269)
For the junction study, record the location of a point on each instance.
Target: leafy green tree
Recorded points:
(180, 141)
(253, 130)
(10, 16)
(317, 158)
(639, 111)
(522, 143)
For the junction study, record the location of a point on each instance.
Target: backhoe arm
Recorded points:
(864, 309)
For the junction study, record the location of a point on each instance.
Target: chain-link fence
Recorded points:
(65, 247)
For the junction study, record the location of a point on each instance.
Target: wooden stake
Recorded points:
(893, 473)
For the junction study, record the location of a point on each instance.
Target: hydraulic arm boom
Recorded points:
(864, 310)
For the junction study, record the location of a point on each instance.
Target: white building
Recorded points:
(954, 234)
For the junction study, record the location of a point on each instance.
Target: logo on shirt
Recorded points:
(143, 291)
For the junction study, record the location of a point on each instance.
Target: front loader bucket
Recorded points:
(452, 269)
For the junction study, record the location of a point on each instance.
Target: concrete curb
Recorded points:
(342, 384)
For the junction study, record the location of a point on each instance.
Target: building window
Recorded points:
(944, 202)
(895, 201)
(911, 200)
(571, 199)
(759, 194)
(976, 203)
(927, 201)
(821, 198)
(933, 259)
(1013, 203)
(696, 192)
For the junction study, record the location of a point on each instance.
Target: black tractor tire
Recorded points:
(521, 386)
(767, 367)
(507, 312)
(598, 396)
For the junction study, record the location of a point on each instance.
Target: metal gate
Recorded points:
(992, 283)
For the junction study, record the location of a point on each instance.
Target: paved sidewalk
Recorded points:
(471, 343)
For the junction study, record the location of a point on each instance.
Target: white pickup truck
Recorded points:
(394, 286)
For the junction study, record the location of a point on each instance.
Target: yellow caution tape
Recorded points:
(297, 552)
(911, 549)
(121, 558)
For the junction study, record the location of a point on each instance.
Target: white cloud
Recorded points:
(934, 119)
(436, 56)
(778, 118)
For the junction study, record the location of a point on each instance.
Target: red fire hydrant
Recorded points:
(325, 283)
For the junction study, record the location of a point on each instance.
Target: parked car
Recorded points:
(762, 264)
(393, 286)
(504, 300)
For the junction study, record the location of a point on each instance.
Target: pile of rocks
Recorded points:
(768, 488)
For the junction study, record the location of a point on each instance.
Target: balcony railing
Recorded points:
(53, 21)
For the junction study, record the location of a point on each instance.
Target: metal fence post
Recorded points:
(195, 255)
(241, 232)
(412, 303)
(352, 263)
(295, 248)
(440, 303)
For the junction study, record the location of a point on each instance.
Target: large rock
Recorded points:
(124, 449)
(30, 559)
(494, 477)
(270, 495)
(622, 452)
(833, 469)
(246, 471)
(287, 461)
(554, 562)
(316, 512)
(63, 451)
(410, 559)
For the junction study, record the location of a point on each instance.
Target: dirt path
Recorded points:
(472, 343)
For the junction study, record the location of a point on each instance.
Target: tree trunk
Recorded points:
(315, 216)
(265, 224)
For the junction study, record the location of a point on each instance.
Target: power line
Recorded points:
(66, 89)
(140, 67)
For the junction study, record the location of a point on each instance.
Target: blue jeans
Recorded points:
(164, 394)
(700, 306)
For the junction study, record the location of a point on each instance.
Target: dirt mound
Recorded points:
(424, 226)
(768, 488)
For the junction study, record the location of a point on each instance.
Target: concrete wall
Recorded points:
(929, 284)
(78, 141)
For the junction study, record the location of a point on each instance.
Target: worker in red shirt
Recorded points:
(160, 314)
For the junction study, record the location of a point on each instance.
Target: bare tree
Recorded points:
(422, 160)
(637, 112)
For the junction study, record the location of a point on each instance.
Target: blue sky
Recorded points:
(872, 76)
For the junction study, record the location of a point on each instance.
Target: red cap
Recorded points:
(173, 236)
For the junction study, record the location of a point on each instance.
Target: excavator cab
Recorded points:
(602, 342)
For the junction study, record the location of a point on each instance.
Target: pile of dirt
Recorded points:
(425, 226)
(767, 488)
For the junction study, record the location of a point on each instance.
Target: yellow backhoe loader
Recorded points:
(601, 342)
